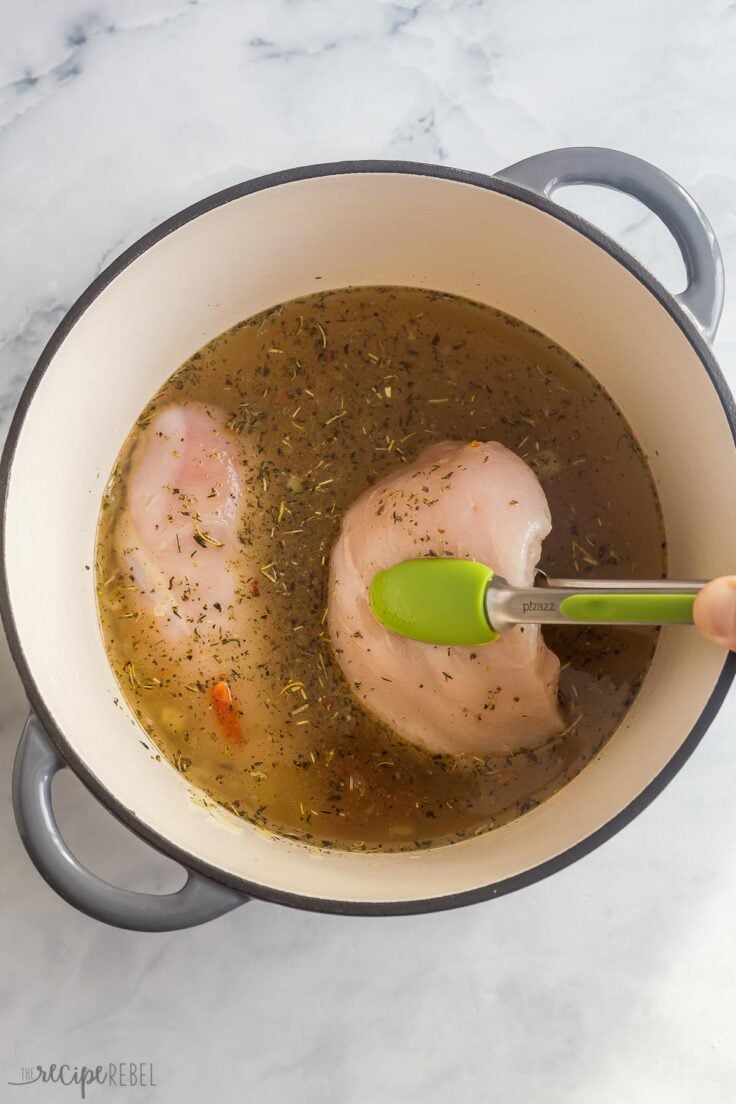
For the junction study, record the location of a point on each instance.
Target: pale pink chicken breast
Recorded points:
(476, 501)
(178, 538)
(178, 533)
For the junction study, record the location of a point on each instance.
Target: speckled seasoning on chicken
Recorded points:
(215, 540)
(474, 501)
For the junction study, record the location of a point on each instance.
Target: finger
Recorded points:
(715, 611)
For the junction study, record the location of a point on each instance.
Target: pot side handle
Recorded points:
(199, 900)
(702, 299)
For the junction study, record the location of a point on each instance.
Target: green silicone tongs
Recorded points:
(451, 601)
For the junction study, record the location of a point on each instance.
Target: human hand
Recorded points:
(714, 611)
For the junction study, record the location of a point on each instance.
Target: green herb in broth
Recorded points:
(331, 392)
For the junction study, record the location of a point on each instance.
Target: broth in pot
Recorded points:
(284, 421)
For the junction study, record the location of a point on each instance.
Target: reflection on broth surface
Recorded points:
(292, 414)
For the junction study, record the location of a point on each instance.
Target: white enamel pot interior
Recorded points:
(269, 241)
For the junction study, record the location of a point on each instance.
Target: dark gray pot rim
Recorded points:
(357, 908)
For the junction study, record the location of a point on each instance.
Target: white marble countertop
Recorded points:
(613, 981)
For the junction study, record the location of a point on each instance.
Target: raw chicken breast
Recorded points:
(179, 531)
(178, 539)
(476, 501)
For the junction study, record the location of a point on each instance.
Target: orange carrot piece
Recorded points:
(227, 712)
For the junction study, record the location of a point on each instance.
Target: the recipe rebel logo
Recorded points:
(113, 1075)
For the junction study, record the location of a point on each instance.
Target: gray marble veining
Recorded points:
(613, 981)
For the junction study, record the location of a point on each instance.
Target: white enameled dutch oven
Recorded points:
(500, 240)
